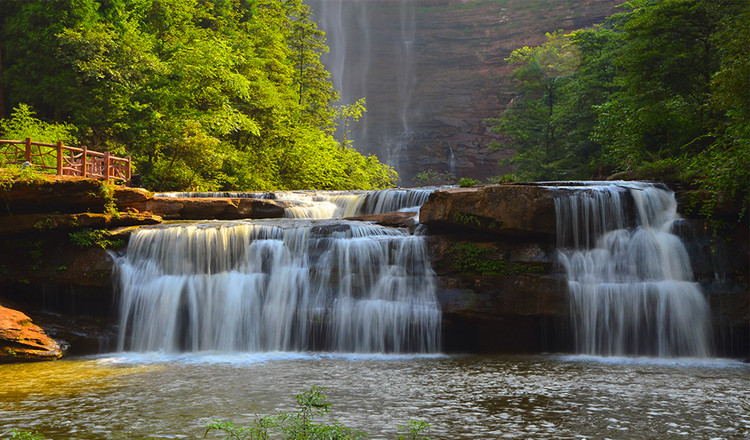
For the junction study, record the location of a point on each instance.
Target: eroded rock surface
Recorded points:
(22, 341)
(516, 210)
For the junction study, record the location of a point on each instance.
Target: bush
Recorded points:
(466, 182)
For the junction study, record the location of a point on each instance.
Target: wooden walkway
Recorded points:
(66, 160)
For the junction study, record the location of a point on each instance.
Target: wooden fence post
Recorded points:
(28, 150)
(59, 158)
(106, 166)
(83, 161)
(127, 173)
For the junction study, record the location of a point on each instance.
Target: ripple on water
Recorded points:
(463, 397)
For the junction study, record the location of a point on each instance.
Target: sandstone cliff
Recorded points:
(433, 70)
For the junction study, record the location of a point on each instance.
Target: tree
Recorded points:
(533, 118)
(204, 94)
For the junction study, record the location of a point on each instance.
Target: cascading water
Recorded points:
(629, 278)
(332, 204)
(289, 286)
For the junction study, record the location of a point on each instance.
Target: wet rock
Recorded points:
(515, 210)
(23, 341)
(209, 208)
(391, 219)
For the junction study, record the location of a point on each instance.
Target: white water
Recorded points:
(288, 286)
(629, 278)
(332, 204)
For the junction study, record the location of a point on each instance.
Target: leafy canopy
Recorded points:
(205, 95)
(660, 91)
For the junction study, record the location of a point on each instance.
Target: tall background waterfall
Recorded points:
(629, 278)
(386, 129)
(286, 285)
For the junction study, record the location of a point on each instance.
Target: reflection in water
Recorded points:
(463, 397)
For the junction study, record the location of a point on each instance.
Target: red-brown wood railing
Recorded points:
(66, 160)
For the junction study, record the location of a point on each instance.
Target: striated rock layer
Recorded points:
(21, 340)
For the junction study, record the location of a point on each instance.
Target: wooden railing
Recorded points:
(65, 160)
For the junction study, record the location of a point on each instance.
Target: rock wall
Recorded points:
(434, 70)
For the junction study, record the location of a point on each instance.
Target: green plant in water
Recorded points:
(299, 425)
(415, 430)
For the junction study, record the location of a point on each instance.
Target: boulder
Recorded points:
(53, 194)
(391, 219)
(259, 208)
(23, 341)
(515, 210)
(208, 208)
(124, 195)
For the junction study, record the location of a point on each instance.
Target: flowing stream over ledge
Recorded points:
(285, 285)
(630, 283)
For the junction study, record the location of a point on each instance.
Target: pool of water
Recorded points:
(131, 396)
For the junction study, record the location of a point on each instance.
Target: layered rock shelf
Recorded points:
(21, 340)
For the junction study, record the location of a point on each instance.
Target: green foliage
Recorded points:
(347, 116)
(415, 430)
(88, 237)
(661, 90)
(433, 178)
(23, 124)
(466, 219)
(299, 425)
(205, 95)
(466, 182)
(505, 178)
(26, 435)
(11, 174)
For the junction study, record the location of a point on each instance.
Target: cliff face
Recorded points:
(433, 70)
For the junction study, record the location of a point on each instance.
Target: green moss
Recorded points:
(466, 219)
(88, 237)
(470, 258)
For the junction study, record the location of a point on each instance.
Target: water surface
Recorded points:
(464, 397)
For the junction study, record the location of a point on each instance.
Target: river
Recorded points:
(144, 395)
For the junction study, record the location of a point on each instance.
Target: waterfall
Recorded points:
(291, 285)
(629, 278)
(355, 29)
(332, 204)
